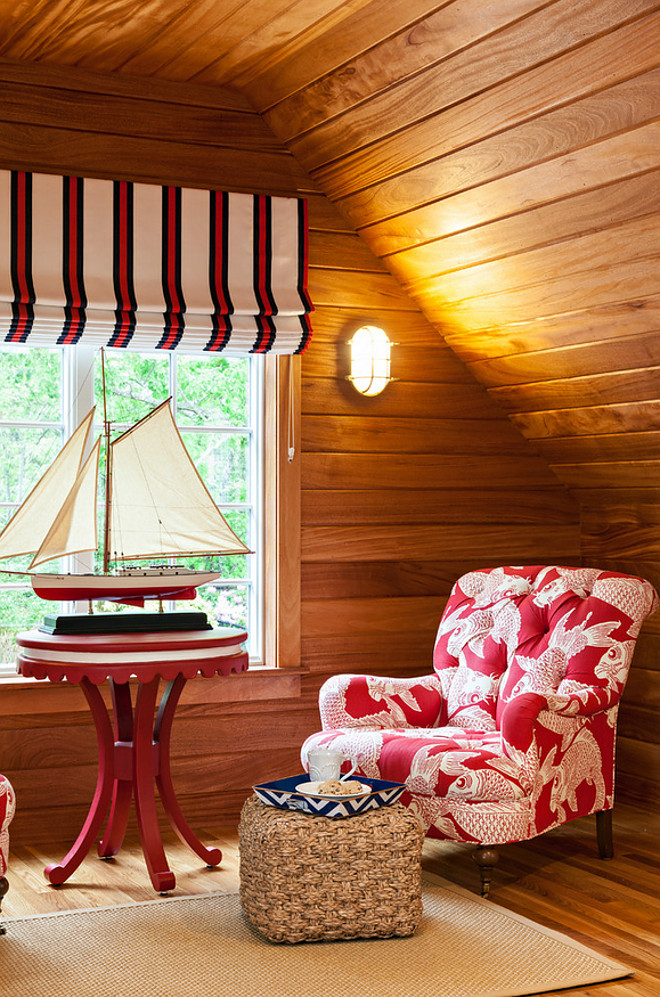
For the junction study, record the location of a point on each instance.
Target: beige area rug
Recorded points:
(203, 945)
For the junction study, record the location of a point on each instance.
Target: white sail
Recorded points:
(159, 505)
(31, 523)
(75, 529)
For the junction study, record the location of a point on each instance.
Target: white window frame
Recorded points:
(267, 409)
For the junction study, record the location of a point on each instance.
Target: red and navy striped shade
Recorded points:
(143, 267)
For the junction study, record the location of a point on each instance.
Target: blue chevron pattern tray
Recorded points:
(282, 793)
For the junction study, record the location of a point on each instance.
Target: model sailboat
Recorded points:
(156, 507)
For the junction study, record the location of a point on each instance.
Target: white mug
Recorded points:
(324, 764)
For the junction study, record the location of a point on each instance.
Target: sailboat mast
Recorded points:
(108, 472)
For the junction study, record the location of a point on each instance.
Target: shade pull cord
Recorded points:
(291, 431)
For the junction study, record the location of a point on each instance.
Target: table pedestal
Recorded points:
(133, 749)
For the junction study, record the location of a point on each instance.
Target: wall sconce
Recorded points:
(370, 360)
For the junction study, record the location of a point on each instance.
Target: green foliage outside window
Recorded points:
(31, 385)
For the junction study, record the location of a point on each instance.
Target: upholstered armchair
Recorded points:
(514, 731)
(7, 807)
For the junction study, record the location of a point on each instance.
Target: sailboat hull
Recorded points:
(132, 588)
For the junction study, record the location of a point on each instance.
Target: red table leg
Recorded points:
(58, 874)
(143, 781)
(123, 782)
(135, 762)
(162, 733)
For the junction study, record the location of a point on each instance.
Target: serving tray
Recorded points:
(282, 793)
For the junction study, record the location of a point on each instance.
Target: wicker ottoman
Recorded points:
(308, 878)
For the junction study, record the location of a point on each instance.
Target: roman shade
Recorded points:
(140, 266)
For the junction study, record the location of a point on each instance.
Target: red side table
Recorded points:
(133, 749)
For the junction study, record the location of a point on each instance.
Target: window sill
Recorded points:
(28, 695)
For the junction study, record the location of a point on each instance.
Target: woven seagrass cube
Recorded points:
(310, 878)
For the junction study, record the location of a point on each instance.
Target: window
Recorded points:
(218, 403)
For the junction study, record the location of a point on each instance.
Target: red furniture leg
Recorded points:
(123, 782)
(162, 733)
(144, 758)
(58, 874)
(134, 751)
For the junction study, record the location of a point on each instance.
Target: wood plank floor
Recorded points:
(557, 880)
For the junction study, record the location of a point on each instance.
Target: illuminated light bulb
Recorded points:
(370, 360)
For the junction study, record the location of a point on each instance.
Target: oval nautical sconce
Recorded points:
(370, 360)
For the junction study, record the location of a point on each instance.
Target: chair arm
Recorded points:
(533, 723)
(584, 702)
(565, 747)
(372, 701)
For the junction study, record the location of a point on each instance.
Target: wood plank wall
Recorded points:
(503, 161)
(400, 493)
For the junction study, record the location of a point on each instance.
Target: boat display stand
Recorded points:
(124, 622)
(133, 746)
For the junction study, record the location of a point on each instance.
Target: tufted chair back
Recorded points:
(507, 631)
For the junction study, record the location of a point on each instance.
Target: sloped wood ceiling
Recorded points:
(501, 159)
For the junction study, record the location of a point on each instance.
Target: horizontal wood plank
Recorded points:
(573, 328)
(370, 616)
(621, 540)
(626, 507)
(407, 327)
(630, 417)
(637, 474)
(359, 290)
(410, 399)
(639, 758)
(380, 579)
(643, 689)
(45, 76)
(409, 652)
(636, 384)
(622, 447)
(341, 251)
(509, 543)
(62, 150)
(371, 434)
(340, 471)
(123, 116)
(639, 723)
(634, 353)
(455, 505)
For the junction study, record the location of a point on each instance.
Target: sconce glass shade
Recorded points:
(370, 360)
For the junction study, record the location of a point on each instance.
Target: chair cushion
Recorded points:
(450, 762)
